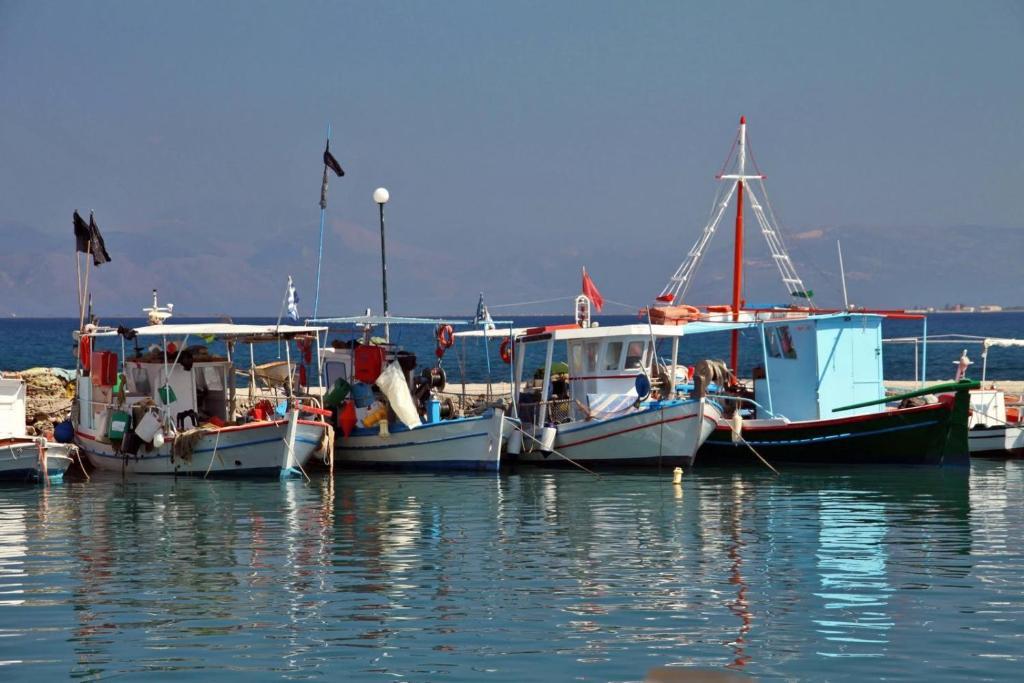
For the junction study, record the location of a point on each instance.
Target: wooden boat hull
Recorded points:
(19, 460)
(253, 450)
(665, 435)
(934, 434)
(472, 444)
(997, 442)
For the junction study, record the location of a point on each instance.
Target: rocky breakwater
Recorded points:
(48, 396)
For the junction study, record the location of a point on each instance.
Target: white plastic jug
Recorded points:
(148, 426)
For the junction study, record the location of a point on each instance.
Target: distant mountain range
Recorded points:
(886, 267)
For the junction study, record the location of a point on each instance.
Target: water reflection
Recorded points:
(852, 567)
(535, 575)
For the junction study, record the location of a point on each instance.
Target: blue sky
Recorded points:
(519, 140)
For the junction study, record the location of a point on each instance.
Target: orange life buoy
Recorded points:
(505, 350)
(445, 336)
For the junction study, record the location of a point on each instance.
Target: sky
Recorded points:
(519, 141)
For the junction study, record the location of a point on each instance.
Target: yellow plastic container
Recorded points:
(375, 416)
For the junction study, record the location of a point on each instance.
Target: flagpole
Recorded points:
(320, 250)
(78, 271)
(284, 301)
(88, 264)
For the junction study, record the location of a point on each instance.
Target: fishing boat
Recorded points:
(174, 408)
(394, 418)
(997, 418)
(817, 394)
(389, 416)
(611, 404)
(23, 457)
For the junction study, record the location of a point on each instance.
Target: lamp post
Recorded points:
(381, 196)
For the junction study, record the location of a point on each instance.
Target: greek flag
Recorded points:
(293, 301)
(483, 316)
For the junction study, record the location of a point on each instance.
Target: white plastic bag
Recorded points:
(392, 382)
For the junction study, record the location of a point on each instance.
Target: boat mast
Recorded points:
(737, 256)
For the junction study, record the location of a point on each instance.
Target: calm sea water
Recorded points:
(26, 342)
(814, 575)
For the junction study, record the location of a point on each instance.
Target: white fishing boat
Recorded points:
(172, 408)
(390, 417)
(23, 457)
(599, 407)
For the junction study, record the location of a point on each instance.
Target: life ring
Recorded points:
(445, 336)
(505, 350)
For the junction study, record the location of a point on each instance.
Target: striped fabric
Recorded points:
(609, 405)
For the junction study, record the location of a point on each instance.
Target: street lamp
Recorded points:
(381, 196)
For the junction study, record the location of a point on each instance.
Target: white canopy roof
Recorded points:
(495, 333)
(390, 320)
(636, 330)
(1003, 342)
(223, 330)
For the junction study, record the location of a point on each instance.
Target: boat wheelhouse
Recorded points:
(610, 404)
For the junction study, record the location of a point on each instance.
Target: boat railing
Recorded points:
(557, 411)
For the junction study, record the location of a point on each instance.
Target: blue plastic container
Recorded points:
(362, 394)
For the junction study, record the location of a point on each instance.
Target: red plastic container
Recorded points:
(104, 368)
(85, 351)
(369, 362)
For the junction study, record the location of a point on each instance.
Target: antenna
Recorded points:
(842, 275)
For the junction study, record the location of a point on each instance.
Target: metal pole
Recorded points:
(924, 350)
(320, 250)
(767, 380)
(842, 275)
(384, 273)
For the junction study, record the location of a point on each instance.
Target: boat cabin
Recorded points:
(812, 365)
(600, 374)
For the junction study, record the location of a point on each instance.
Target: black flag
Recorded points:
(99, 249)
(332, 163)
(82, 235)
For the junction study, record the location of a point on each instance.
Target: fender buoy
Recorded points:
(445, 336)
(505, 350)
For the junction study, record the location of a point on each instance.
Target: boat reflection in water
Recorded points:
(537, 575)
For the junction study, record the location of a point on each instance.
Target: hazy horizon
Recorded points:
(519, 141)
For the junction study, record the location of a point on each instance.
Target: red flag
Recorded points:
(666, 298)
(591, 292)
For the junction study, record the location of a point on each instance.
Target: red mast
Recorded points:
(737, 256)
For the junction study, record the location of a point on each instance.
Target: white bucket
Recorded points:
(514, 445)
(148, 426)
(547, 438)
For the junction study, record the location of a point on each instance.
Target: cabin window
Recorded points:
(635, 353)
(780, 342)
(612, 354)
(592, 349)
(335, 370)
(576, 359)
